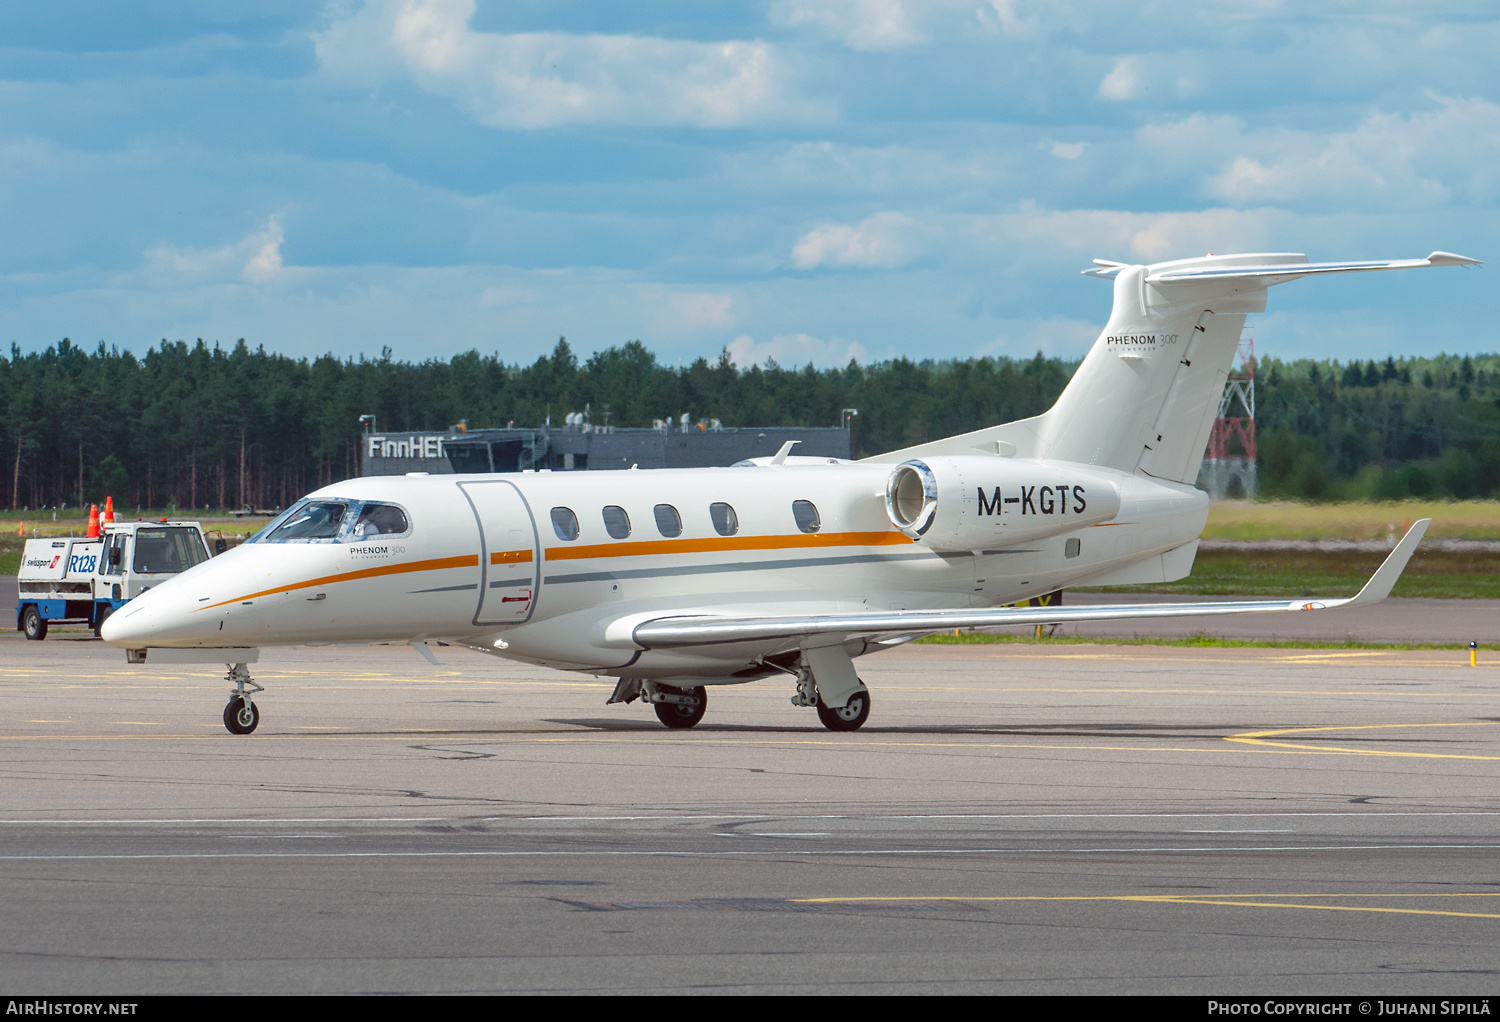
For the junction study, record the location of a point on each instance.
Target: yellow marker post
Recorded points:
(1473, 654)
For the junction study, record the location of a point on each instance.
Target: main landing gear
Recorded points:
(848, 717)
(675, 707)
(825, 675)
(678, 707)
(241, 716)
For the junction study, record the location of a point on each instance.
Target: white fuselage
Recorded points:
(481, 564)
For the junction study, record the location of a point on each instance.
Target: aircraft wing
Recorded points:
(705, 630)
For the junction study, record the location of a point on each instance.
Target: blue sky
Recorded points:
(797, 179)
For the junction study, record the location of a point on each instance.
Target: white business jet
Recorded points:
(677, 579)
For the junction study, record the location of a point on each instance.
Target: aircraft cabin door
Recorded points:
(508, 555)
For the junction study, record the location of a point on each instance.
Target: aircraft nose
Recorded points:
(131, 626)
(151, 619)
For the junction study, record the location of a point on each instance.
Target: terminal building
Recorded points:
(583, 447)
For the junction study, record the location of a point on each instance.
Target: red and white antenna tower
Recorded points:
(1231, 445)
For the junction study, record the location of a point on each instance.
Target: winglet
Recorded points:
(1379, 586)
(1449, 259)
(779, 458)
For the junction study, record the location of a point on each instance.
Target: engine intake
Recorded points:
(964, 503)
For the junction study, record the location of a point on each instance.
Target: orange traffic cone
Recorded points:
(22, 530)
(93, 532)
(109, 510)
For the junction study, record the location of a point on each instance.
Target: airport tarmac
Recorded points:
(1072, 819)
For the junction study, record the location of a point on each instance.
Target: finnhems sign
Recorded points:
(411, 446)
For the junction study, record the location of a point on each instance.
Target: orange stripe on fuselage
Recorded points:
(638, 549)
(435, 564)
(645, 548)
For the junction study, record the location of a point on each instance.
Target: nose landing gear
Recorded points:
(241, 716)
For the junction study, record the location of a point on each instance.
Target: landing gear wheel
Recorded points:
(239, 718)
(677, 715)
(849, 717)
(32, 623)
(103, 616)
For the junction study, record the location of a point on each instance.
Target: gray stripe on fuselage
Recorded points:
(447, 589)
(711, 569)
(528, 580)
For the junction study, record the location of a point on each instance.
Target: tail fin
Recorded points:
(1145, 396)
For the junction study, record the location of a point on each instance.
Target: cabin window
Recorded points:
(616, 522)
(726, 522)
(806, 515)
(668, 521)
(565, 523)
(380, 520)
(1072, 547)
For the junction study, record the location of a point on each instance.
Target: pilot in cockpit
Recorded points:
(379, 520)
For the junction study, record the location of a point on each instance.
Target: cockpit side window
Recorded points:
(380, 520)
(317, 520)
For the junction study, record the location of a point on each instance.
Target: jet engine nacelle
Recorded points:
(978, 503)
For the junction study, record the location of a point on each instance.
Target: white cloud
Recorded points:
(1011, 23)
(1147, 237)
(266, 262)
(255, 257)
(506, 297)
(795, 350)
(543, 79)
(859, 24)
(883, 240)
(1056, 335)
(1418, 160)
(1123, 81)
(1067, 150)
(701, 309)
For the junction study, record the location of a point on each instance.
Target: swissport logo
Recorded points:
(43, 563)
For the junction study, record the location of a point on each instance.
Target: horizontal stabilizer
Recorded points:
(676, 632)
(1276, 269)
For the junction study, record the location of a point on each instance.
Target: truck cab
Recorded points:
(83, 581)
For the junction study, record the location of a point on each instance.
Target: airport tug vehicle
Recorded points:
(675, 580)
(85, 580)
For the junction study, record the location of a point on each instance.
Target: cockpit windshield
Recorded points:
(317, 519)
(334, 521)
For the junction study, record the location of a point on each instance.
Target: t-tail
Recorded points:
(1145, 397)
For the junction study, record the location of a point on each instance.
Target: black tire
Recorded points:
(232, 717)
(32, 623)
(676, 715)
(101, 617)
(850, 717)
